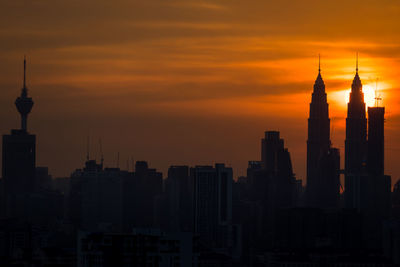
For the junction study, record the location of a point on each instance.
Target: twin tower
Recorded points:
(364, 157)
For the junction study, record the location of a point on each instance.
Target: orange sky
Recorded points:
(192, 82)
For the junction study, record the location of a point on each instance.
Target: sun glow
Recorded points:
(369, 95)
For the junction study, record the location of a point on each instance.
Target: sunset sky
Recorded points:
(192, 82)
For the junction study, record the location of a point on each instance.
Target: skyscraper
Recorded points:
(318, 142)
(179, 190)
(375, 160)
(355, 144)
(213, 206)
(356, 129)
(377, 205)
(277, 164)
(19, 160)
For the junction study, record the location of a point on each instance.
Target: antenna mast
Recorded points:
(88, 148)
(377, 97)
(101, 153)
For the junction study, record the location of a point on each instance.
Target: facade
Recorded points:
(113, 198)
(376, 143)
(355, 144)
(213, 206)
(323, 161)
(327, 192)
(379, 195)
(318, 142)
(277, 165)
(179, 191)
(367, 189)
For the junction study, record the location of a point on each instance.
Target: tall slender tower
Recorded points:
(356, 129)
(318, 143)
(355, 145)
(24, 103)
(19, 161)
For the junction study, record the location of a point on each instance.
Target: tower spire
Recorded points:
(357, 62)
(319, 63)
(319, 85)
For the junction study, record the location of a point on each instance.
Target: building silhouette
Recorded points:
(179, 194)
(376, 143)
(355, 146)
(277, 164)
(199, 216)
(19, 161)
(323, 162)
(213, 206)
(367, 188)
(380, 184)
(113, 198)
(377, 201)
(98, 196)
(270, 185)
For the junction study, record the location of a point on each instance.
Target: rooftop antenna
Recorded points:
(101, 152)
(133, 164)
(24, 89)
(88, 148)
(118, 160)
(377, 96)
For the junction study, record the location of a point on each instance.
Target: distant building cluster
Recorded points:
(200, 216)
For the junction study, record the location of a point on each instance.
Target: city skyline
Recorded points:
(176, 67)
(200, 133)
(94, 144)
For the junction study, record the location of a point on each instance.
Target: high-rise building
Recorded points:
(277, 164)
(356, 129)
(355, 145)
(213, 206)
(19, 162)
(113, 197)
(179, 191)
(367, 189)
(96, 196)
(379, 184)
(323, 162)
(375, 160)
(318, 141)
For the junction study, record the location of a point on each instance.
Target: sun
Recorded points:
(369, 95)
